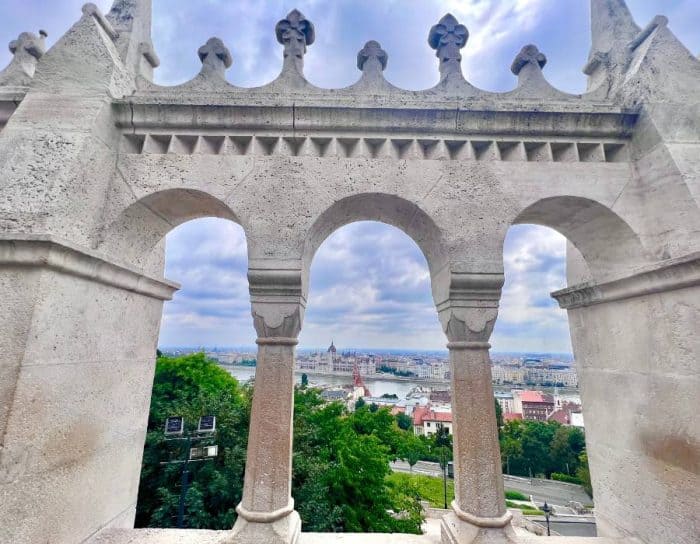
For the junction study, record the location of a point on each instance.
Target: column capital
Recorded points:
(469, 312)
(277, 302)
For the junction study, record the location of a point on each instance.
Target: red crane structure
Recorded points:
(357, 380)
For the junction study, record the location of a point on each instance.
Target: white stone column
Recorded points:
(266, 512)
(478, 512)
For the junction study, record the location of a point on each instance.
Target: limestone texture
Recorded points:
(98, 164)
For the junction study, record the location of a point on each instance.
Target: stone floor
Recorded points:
(432, 536)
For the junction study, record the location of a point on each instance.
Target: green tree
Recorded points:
(540, 447)
(379, 423)
(193, 386)
(340, 459)
(341, 462)
(411, 450)
(359, 403)
(584, 474)
(567, 445)
(511, 448)
(304, 380)
(531, 456)
(499, 415)
(404, 422)
(577, 440)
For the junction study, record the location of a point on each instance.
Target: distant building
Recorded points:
(552, 376)
(334, 395)
(507, 374)
(577, 419)
(442, 397)
(505, 401)
(427, 421)
(536, 406)
(567, 413)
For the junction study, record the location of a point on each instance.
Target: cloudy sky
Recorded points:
(369, 282)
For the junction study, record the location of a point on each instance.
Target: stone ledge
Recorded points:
(393, 119)
(665, 276)
(44, 251)
(191, 536)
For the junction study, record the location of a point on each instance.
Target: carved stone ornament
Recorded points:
(447, 38)
(27, 49)
(295, 33)
(277, 320)
(215, 55)
(469, 324)
(30, 43)
(372, 54)
(528, 55)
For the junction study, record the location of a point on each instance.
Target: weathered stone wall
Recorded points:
(638, 368)
(78, 345)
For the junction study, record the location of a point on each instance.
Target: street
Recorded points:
(557, 493)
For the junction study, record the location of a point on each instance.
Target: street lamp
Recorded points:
(443, 442)
(443, 465)
(547, 511)
(174, 430)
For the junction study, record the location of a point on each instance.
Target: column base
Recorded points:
(457, 531)
(285, 530)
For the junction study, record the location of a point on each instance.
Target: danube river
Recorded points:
(379, 386)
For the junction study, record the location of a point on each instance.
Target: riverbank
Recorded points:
(380, 384)
(374, 377)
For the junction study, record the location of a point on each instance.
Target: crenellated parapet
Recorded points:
(620, 66)
(296, 33)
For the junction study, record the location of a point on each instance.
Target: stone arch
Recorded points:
(140, 227)
(605, 241)
(385, 208)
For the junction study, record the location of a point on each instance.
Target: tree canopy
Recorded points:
(191, 387)
(541, 448)
(341, 459)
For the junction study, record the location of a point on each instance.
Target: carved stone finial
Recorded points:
(27, 49)
(295, 33)
(372, 56)
(29, 43)
(215, 56)
(447, 38)
(528, 55)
